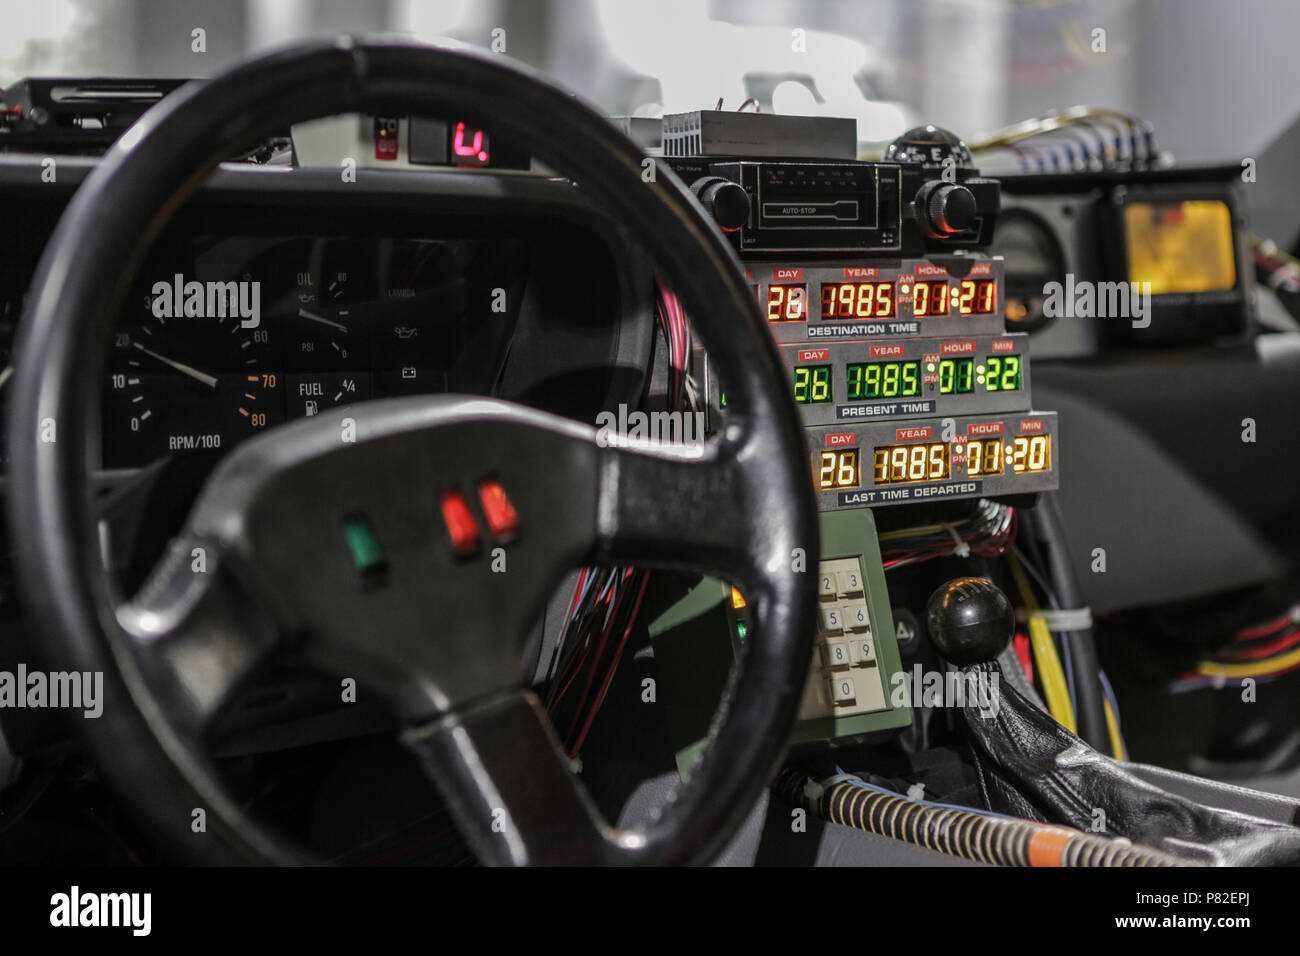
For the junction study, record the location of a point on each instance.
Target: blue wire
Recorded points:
(1110, 696)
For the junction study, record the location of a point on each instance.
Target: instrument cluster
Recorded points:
(226, 336)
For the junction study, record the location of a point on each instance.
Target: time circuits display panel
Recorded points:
(868, 379)
(885, 463)
(933, 296)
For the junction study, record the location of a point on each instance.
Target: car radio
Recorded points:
(870, 208)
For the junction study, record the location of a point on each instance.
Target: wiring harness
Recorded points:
(1078, 139)
(1263, 652)
(989, 532)
(1045, 656)
(606, 601)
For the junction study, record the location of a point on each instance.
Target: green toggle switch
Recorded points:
(367, 555)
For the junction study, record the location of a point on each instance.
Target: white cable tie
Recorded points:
(1066, 619)
(961, 549)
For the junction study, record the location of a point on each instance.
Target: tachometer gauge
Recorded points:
(187, 383)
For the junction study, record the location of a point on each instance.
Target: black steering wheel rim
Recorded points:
(99, 245)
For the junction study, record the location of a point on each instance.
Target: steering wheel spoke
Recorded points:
(499, 766)
(691, 508)
(196, 637)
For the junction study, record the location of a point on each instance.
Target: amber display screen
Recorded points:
(919, 461)
(1181, 246)
(838, 469)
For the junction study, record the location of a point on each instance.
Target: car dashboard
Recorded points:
(1003, 494)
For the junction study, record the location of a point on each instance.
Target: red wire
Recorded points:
(1283, 643)
(576, 664)
(627, 631)
(1267, 629)
(577, 590)
(1262, 675)
(595, 667)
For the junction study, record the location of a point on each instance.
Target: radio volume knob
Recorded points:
(949, 208)
(726, 201)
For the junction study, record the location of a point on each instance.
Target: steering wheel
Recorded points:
(262, 567)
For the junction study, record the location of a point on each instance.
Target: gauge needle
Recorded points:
(193, 373)
(322, 320)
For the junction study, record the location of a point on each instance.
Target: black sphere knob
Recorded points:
(726, 201)
(949, 208)
(929, 146)
(970, 620)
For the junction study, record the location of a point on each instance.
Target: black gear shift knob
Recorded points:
(970, 620)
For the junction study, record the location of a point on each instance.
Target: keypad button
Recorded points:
(832, 620)
(836, 654)
(862, 650)
(843, 690)
(855, 616)
(827, 586)
(850, 582)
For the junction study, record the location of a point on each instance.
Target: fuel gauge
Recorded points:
(327, 361)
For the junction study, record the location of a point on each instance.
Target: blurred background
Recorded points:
(1213, 76)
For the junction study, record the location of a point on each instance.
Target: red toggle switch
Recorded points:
(461, 526)
(500, 513)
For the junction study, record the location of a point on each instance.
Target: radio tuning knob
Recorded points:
(948, 208)
(726, 201)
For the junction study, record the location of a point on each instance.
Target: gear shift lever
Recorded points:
(1030, 766)
(970, 620)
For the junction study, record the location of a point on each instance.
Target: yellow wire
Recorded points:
(1251, 669)
(1055, 687)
